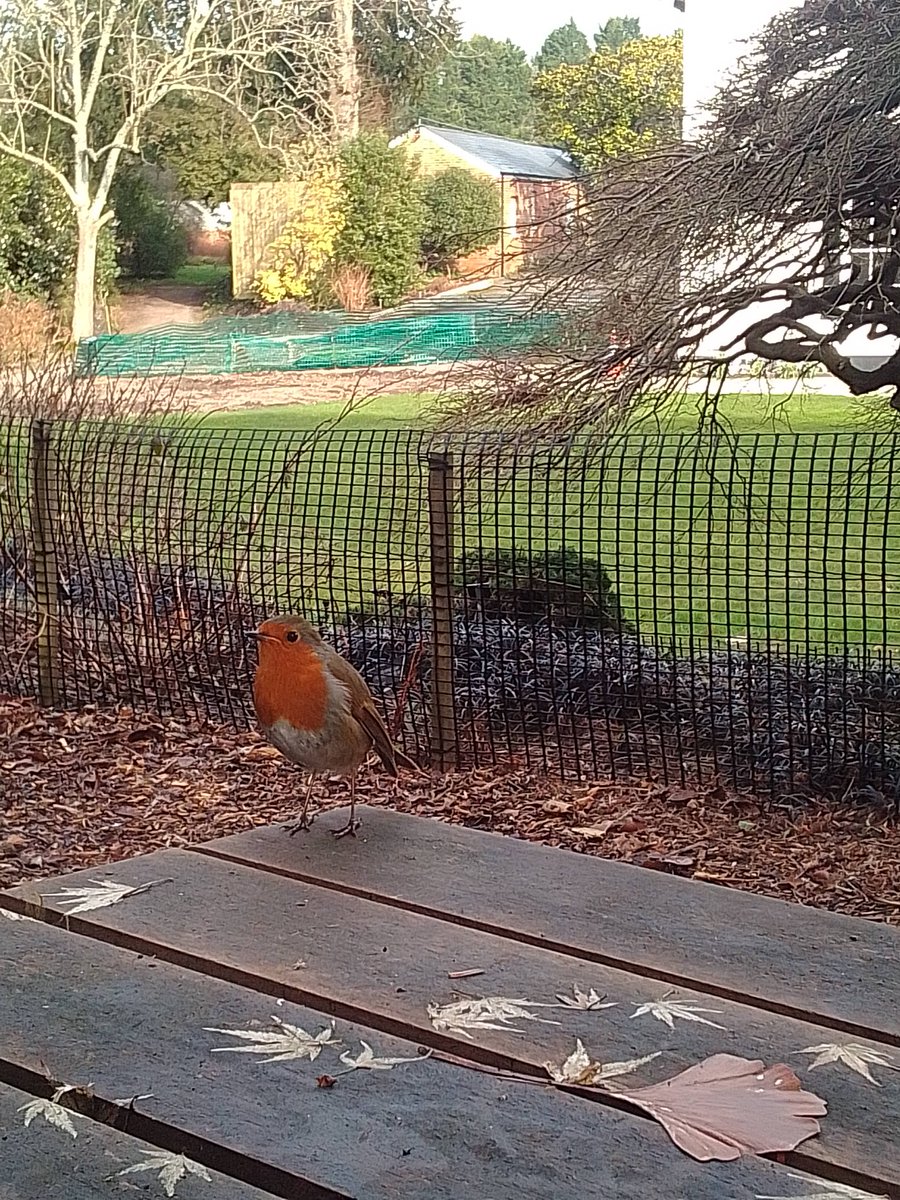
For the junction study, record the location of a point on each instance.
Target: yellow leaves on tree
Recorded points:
(617, 102)
(298, 258)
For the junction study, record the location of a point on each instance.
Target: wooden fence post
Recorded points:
(444, 750)
(44, 517)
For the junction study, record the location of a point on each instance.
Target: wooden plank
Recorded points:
(365, 961)
(787, 958)
(87, 1011)
(44, 1163)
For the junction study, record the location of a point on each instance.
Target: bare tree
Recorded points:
(775, 234)
(79, 77)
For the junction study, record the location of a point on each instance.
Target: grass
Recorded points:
(782, 534)
(203, 273)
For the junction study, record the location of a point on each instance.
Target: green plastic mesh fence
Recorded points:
(292, 342)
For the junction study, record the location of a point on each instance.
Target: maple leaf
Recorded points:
(284, 1043)
(101, 895)
(728, 1106)
(367, 1060)
(52, 1112)
(587, 1001)
(579, 1067)
(858, 1058)
(832, 1191)
(170, 1169)
(490, 1012)
(668, 1011)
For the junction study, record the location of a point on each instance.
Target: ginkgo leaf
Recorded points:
(103, 894)
(368, 1061)
(858, 1058)
(170, 1169)
(668, 1011)
(52, 1112)
(490, 1012)
(587, 1001)
(831, 1191)
(580, 1068)
(282, 1044)
(727, 1106)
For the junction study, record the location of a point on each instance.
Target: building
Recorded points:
(538, 187)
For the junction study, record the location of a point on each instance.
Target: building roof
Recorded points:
(504, 156)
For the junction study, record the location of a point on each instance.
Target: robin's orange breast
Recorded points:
(291, 688)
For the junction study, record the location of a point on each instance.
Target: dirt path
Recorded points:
(159, 304)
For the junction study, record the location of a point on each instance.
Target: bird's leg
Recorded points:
(306, 820)
(352, 825)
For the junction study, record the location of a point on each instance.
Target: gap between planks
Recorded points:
(272, 1179)
(671, 978)
(125, 1119)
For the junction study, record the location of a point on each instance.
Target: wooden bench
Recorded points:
(374, 933)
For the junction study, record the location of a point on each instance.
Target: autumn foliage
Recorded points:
(616, 102)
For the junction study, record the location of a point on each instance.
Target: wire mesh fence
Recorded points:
(296, 342)
(676, 606)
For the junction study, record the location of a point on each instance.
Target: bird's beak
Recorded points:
(254, 634)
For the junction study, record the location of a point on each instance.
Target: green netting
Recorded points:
(297, 342)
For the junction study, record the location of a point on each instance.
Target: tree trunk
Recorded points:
(345, 99)
(85, 278)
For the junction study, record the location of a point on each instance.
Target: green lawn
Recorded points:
(205, 273)
(776, 530)
(783, 536)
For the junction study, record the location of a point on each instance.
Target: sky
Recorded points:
(527, 22)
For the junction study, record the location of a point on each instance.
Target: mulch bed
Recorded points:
(79, 789)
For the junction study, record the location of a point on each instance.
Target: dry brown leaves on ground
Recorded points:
(83, 788)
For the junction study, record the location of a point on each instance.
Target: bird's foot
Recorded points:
(348, 830)
(303, 825)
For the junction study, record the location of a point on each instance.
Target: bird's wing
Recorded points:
(363, 710)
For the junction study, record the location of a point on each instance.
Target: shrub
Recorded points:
(561, 585)
(297, 259)
(383, 216)
(152, 238)
(28, 326)
(37, 231)
(351, 287)
(462, 214)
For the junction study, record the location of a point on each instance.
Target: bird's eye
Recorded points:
(292, 636)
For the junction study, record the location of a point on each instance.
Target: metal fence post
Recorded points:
(440, 535)
(44, 514)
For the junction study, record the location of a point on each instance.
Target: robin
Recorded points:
(317, 709)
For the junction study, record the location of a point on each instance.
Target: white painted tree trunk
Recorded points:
(83, 306)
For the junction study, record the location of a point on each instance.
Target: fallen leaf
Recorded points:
(52, 1112)
(170, 1169)
(858, 1058)
(728, 1106)
(668, 1011)
(367, 1060)
(489, 1012)
(283, 1044)
(590, 1001)
(594, 833)
(101, 895)
(580, 1068)
(558, 806)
